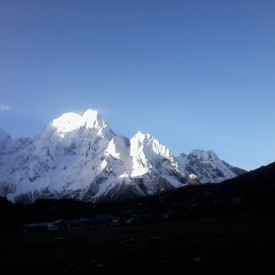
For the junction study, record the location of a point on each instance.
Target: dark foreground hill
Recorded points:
(226, 228)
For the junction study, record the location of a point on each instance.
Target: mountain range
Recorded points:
(80, 157)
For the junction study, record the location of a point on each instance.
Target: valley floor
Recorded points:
(239, 244)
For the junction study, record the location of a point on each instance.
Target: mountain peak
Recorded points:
(139, 135)
(92, 119)
(204, 155)
(207, 166)
(71, 121)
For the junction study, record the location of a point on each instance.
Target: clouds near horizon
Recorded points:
(4, 108)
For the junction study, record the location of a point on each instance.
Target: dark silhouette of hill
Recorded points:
(225, 228)
(251, 192)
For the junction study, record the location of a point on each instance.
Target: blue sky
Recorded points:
(194, 74)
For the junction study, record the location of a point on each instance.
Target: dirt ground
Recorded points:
(240, 244)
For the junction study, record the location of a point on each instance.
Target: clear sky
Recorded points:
(194, 74)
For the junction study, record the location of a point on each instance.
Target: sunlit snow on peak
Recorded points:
(69, 122)
(92, 119)
(139, 135)
(142, 141)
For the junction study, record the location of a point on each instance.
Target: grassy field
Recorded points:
(240, 244)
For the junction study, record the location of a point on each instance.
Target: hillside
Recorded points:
(225, 228)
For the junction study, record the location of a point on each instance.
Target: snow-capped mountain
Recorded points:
(79, 156)
(207, 167)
